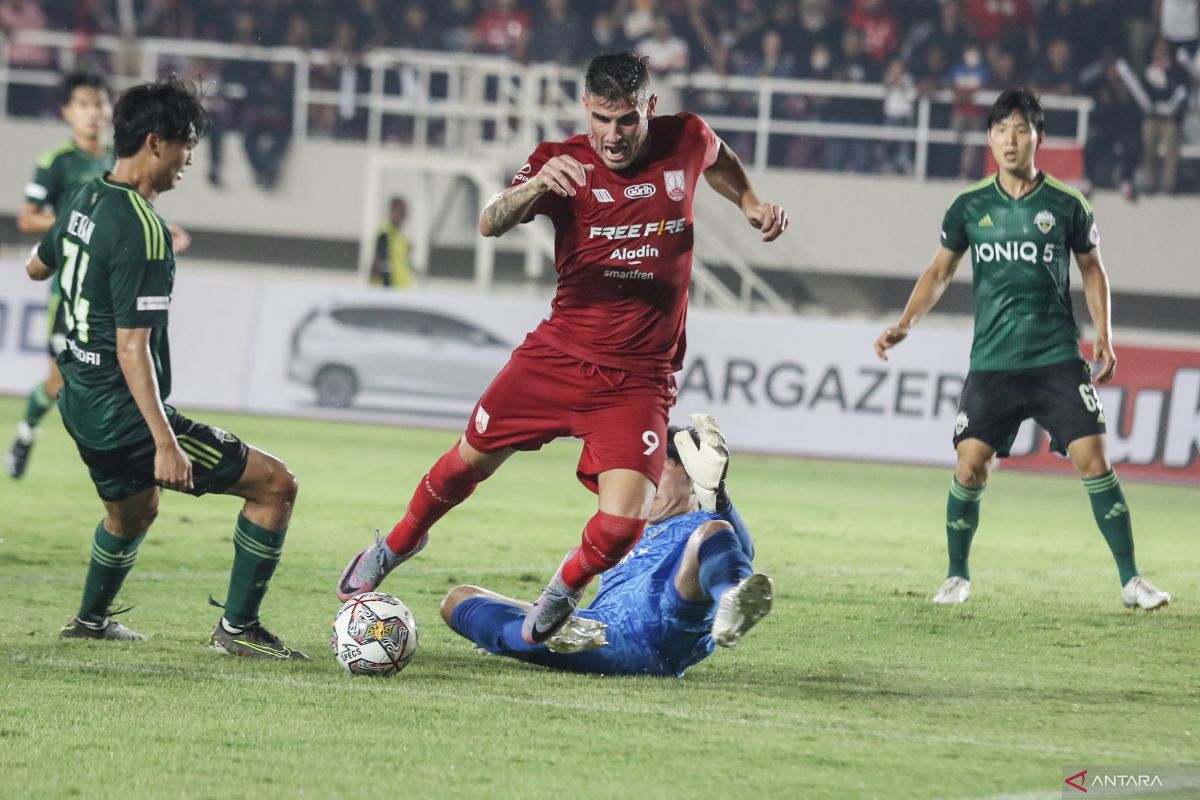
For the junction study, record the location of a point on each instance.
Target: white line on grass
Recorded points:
(800, 723)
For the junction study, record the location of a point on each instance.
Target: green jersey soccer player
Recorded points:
(113, 258)
(1021, 226)
(87, 111)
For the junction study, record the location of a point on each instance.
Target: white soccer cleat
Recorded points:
(954, 591)
(740, 609)
(1141, 593)
(578, 635)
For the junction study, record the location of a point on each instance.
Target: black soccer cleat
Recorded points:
(18, 456)
(254, 641)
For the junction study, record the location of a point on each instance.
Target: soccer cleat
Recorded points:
(954, 591)
(18, 454)
(551, 612)
(740, 609)
(254, 641)
(367, 570)
(1141, 593)
(578, 635)
(110, 631)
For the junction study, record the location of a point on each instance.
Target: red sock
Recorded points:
(606, 540)
(448, 483)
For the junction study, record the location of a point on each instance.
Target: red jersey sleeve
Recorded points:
(549, 203)
(706, 140)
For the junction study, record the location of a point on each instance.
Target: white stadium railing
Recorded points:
(489, 112)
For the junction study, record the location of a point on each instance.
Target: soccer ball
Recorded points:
(374, 634)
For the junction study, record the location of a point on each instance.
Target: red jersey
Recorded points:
(623, 248)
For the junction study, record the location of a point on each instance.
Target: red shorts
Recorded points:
(543, 394)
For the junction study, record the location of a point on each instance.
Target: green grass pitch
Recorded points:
(855, 687)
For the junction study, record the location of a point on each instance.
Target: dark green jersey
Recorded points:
(59, 172)
(1021, 258)
(116, 268)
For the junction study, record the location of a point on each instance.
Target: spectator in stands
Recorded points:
(817, 27)
(415, 29)
(967, 77)
(946, 31)
(559, 34)
(1056, 74)
(1161, 89)
(1113, 147)
(771, 61)
(392, 266)
(266, 122)
(1179, 24)
(502, 29)
(664, 50)
(607, 35)
(1011, 21)
(899, 111)
(373, 25)
(1002, 67)
(637, 18)
(879, 28)
(455, 19)
(854, 66)
(21, 16)
(932, 71)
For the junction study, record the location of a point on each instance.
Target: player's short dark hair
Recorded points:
(672, 450)
(1024, 101)
(615, 76)
(170, 107)
(80, 78)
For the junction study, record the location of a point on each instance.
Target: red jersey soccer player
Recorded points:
(600, 367)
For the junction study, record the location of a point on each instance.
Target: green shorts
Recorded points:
(218, 461)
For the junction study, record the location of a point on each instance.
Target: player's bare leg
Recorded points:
(41, 399)
(715, 567)
(270, 490)
(114, 549)
(1089, 455)
(625, 499)
(975, 460)
(449, 482)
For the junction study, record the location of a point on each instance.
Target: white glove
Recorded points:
(707, 464)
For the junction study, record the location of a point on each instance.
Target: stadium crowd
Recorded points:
(1137, 59)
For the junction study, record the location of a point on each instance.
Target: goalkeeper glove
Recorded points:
(706, 464)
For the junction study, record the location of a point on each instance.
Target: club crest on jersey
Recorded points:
(675, 183)
(481, 420)
(1044, 221)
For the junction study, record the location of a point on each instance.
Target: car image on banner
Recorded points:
(345, 351)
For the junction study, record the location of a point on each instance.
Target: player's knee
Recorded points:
(281, 485)
(973, 473)
(453, 599)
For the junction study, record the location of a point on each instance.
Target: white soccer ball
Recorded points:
(374, 634)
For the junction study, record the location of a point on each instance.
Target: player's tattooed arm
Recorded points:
(506, 209)
(728, 177)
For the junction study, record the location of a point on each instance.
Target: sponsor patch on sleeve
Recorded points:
(36, 191)
(1094, 234)
(153, 303)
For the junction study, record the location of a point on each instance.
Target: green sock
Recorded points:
(37, 406)
(962, 518)
(256, 552)
(1112, 516)
(112, 558)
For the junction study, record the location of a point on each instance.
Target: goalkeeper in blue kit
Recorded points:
(686, 586)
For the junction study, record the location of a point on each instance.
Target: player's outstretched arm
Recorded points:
(929, 289)
(1099, 303)
(171, 465)
(728, 177)
(510, 207)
